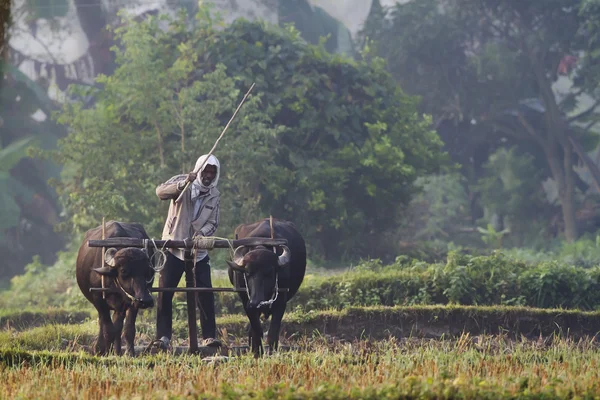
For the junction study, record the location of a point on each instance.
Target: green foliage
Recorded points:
(485, 71)
(26, 200)
(584, 253)
(45, 286)
(567, 278)
(491, 236)
(511, 190)
(446, 204)
(467, 280)
(326, 142)
(511, 185)
(12, 190)
(147, 124)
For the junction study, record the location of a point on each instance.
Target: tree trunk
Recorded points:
(4, 27)
(93, 22)
(565, 183)
(568, 198)
(556, 140)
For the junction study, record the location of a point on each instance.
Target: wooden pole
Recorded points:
(191, 301)
(185, 290)
(103, 255)
(272, 231)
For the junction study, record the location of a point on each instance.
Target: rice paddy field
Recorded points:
(360, 353)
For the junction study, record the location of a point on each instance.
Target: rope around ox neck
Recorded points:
(273, 297)
(133, 299)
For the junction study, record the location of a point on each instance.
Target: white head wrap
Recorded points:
(197, 186)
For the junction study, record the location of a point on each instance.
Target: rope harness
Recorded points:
(130, 297)
(273, 297)
(276, 289)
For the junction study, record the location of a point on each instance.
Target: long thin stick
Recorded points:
(217, 142)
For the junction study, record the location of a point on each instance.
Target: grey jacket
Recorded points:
(186, 226)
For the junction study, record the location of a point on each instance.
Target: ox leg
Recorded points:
(245, 301)
(130, 330)
(105, 337)
(118, 318)
(275, 327)
(256, 332)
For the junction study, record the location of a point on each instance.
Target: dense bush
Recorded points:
(468, 280)
(497, 279)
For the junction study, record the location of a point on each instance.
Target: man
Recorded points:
(199, 216)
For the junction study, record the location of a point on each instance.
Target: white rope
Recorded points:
(208, 243)
(159, 257)
(246, 282)
(275, 294)
(204, 243)
(273, 297)
(133, 299)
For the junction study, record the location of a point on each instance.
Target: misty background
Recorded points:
(510, 91)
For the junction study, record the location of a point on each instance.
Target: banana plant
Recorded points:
(491, 236)
(12, 191)
(28, 208)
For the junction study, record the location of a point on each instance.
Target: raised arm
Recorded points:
(172, 188)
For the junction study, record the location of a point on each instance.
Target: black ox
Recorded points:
(128, 272)
(261, 271)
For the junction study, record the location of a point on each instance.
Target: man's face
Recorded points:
(208, 174)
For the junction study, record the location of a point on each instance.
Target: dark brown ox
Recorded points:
(128, 273)
(261, 271)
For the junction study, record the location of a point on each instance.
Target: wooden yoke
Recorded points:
(120, 242)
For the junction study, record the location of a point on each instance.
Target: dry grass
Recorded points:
(48, 361)
(478, 367)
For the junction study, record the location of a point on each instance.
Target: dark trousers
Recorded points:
(170, 277)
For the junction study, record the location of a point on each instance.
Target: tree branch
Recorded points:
(160, 145)
(590, 125)
(585, 113)
(529, 129)
(587, 161)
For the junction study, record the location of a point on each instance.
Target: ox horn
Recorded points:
(109, 257)
(285, 257)
(238, 257)
(238, 261)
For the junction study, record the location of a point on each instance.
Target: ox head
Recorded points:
(133, 273)
(260, 267)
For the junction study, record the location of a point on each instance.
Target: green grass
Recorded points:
(24, 319)
(376, 323)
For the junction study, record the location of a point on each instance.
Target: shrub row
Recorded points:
(496, 279)
(468, 280)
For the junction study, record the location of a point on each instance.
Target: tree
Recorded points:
(327, 142)
(28, 207)
(482, 66)
(5, 18)
(511, 190)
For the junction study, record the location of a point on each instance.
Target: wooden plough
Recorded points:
(190, 289)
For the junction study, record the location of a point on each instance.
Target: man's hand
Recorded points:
(191, 177)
